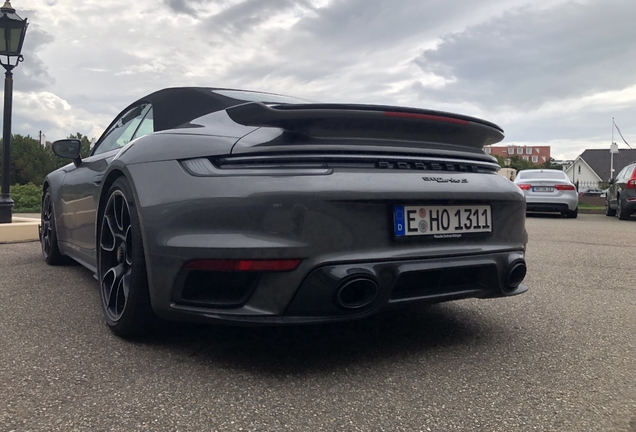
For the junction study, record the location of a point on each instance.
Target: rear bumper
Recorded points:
(629, 204)
(547, 207)
(336, 224)
(560, 205)
(397, 283)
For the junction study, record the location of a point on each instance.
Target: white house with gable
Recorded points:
(580, 171)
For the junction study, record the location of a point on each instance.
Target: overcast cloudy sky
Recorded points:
(552, 72)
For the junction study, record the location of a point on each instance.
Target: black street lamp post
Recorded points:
(12, 31)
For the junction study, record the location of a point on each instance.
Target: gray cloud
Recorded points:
(527, 69)
(528, 57)
(33, 74)
(365, 26)
(591, 123)
(247, 15)
(337, 39)
(186, 7)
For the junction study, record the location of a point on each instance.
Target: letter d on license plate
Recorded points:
(444, 221)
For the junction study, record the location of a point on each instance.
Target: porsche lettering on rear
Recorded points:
(445, 180)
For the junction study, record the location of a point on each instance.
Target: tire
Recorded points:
(620, 210)
(608, 210)
(48, 236)
(123, 279)
(572, 214)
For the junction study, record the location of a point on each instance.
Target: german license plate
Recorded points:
(441, 221)
(543, 189)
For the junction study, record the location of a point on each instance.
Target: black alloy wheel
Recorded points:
(48, 234)
(122, 269)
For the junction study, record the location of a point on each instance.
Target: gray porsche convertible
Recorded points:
(206, 204)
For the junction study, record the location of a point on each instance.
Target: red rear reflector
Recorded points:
(425, 117)
(631, 184)
(564, 187)
(242, 265)
(524, 186)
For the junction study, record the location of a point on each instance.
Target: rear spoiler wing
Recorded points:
(370, 122)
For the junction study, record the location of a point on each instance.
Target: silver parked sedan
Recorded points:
(207, 204)
(548, 191)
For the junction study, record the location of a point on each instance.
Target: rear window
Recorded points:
(549, 175)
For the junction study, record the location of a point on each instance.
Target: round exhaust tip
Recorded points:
(356, 293)
(516, 274)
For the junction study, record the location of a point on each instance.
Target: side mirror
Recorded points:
(612, 181)
(68, 149)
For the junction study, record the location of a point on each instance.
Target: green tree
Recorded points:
(500, 161)
(521, 164)
(30, 161)
(551, 164)
(515, 162)
(86, 143)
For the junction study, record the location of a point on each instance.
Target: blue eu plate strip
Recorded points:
(398, 219)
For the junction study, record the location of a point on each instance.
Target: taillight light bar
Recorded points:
(564, 187)
(425, 117)
(524, 186)
(242, 265)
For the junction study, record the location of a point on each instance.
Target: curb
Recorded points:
(20, 230)
(591, 211)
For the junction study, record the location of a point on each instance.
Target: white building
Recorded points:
(592, 167)
(580, 171)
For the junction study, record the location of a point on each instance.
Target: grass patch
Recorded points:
(585, 205)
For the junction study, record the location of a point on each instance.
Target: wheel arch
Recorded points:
(109, 179)
(103, 197)
(45, 187)
(51, 186)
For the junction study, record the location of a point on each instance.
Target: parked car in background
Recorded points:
(620, 199)
(591, 192)
(548, 191)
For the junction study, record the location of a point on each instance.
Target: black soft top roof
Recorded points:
(173, 107)
(177, 106)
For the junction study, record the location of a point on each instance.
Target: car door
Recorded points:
(79, 194)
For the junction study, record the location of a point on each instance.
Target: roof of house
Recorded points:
(580, 159)
(599, 160)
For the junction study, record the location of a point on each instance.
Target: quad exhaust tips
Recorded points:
(356, 293)
(516, 274)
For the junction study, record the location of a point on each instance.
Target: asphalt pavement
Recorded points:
(559, 358)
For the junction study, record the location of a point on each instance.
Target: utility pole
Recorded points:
(613, 149)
